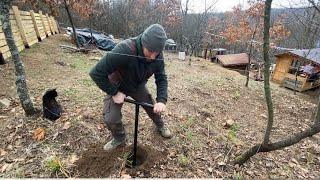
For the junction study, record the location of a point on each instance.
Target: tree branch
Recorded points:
(277, 145)
(314, 5)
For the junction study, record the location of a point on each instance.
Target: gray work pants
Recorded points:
(112, 113)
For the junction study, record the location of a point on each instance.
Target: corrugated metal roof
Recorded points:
(310, 54)
(234, 59)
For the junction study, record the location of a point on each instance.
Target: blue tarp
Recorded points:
(100, 40)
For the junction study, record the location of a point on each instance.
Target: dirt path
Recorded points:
(202, 97)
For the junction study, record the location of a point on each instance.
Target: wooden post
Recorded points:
(43, 24)
(57, 25)
(16, 14)
(54, 25)
(35, 25)
(49, 22)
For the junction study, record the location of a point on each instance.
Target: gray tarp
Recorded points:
(100, 40)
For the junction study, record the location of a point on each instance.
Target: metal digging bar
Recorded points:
(135, 142)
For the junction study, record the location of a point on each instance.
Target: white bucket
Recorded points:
(182, 56)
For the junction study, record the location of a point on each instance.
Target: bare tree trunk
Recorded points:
(90, 19)
(21, 84)
(190, 55)
(71, 22)
(267, 90)
(250, 54)
(314, 5)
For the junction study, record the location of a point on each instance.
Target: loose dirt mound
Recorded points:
(97, 163)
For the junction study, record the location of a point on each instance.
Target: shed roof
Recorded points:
(310, 54)
(234, 59)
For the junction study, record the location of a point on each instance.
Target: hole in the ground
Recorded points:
(141, 157)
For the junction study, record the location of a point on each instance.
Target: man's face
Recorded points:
(150, 55)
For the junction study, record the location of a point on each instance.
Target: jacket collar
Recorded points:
(139, 46)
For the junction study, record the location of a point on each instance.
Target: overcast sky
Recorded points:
(226, 5)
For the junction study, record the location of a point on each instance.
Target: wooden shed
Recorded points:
(305, 63)
(234, 61)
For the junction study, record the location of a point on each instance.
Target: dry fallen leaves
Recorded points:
(228, 123)
(38, 134)
(5, 167)
(73, 158)
(2, 152)
(100, 126)
(66, 125)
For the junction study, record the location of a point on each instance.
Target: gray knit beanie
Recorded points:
(154, 38)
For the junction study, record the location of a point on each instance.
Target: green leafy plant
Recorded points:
(183, 160)
(232, 134)
(54, 164)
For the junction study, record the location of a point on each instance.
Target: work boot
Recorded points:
(165, 132)
(114, 144)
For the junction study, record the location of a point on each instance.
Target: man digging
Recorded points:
(124, 72)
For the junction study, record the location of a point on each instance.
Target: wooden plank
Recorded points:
(28, 25)
(25, 13)
(33, 42)
(49, 23)
(39, 23)
(16, 36)
(35, 24)
(13, 23)
(21, 48)
(16, 13)
(43, 23)
(19, 43)
(52, 25)
(4, 49)
(6, 55)
(26, 18)
(31, 37)
(55, 25)
(2, 37)
(3, 43)
(29, 29)
(15, 29)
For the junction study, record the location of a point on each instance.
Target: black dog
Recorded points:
(51, 108)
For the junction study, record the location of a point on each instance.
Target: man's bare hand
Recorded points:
(159, 107)
(119, 98)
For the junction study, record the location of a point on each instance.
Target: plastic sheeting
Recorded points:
(100, 40)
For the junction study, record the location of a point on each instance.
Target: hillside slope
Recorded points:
(202, 97)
